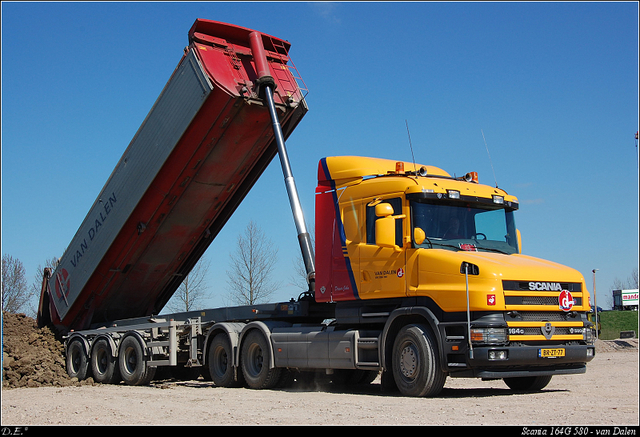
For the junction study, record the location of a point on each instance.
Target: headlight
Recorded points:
(588, 335)
(489, 335)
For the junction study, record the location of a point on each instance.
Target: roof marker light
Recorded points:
(453, 194)
(498, 199)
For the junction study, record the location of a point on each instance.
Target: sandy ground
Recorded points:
(606, 395)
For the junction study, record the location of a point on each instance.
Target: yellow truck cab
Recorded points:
(410, 243)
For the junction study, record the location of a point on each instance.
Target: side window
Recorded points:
(396, 203)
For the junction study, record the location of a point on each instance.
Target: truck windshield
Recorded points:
(465, 226)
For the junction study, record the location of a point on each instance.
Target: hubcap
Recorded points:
(408, 362)
(221, 361)
(131, 360)
(256, 359)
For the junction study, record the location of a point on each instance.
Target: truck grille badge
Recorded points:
(548, 330)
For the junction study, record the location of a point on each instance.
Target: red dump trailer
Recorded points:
(203, 145)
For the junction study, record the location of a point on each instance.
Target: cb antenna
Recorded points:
(415, 170)
(490, 162)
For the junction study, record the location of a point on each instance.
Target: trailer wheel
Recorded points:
(416, 362)
(219, 362)
(77, 360)
(131, 361)
(256, 354)
(528, 383)
(104, 366)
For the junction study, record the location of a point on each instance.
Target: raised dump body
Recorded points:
(203, 145)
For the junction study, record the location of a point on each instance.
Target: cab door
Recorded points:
(382, 269)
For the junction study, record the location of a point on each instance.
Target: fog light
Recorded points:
(497, 355)
(590, 351)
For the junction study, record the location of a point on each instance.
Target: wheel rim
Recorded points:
(102, 361)
(255, 359)
(75, 361)
(409, 362)
(131, 360)
(221, 361)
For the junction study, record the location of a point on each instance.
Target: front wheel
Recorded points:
(416, 362)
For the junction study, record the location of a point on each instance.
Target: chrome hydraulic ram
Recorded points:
(265, 84)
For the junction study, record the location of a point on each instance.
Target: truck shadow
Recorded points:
(374, 389)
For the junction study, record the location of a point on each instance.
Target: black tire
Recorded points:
(254, 361)
(132, 363)
(219, 362)
(77, 360)
(104, 366)
(528, 383)
(416, 362)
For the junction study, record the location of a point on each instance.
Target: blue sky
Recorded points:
(553, 86)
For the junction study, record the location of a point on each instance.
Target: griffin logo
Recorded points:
(565, 300)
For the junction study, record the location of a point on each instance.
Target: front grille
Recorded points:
(558, 331)
(574, 287)
(543, 316)
(537, 300)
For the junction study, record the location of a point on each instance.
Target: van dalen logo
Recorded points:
(565, 300)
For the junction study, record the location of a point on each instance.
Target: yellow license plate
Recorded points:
(551, 353)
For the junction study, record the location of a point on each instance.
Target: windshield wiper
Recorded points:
(491, 249)
(444, 245)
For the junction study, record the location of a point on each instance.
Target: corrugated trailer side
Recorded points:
(201, 148)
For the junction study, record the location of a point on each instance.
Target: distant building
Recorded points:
(625, 299)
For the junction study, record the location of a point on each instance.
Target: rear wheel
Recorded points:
(528, 383)
(77, 360)
(104, 366)
(255, 358)
(132, 363)
(416, 362)
(219, 361)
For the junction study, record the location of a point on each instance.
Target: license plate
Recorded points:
(551, 353)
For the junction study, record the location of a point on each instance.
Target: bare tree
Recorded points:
(252, 264)
(298, 276)
(193, 289)
(15, 293)
(630, 284)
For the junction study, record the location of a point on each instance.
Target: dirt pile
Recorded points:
(32, 356)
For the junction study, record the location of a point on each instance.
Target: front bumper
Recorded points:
(519, 360)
